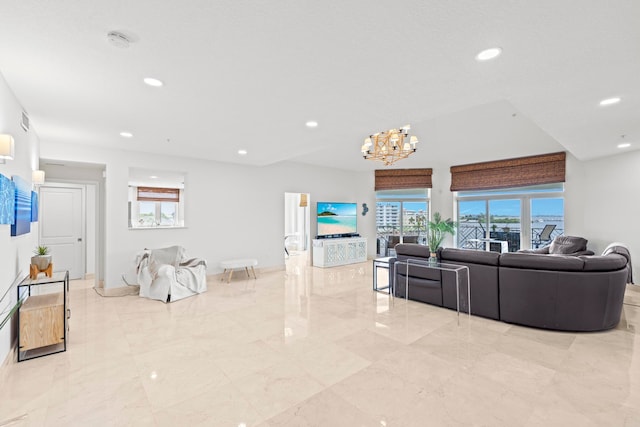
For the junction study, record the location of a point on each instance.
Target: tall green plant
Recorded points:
(438, 229)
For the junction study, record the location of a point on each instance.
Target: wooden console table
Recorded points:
(43, 315)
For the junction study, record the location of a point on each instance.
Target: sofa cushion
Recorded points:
(469, 256)
(610, 262)
(567, 245)
(412, 250)
(542, 262)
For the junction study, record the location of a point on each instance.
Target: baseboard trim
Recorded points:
(121, 291)
(259, 272)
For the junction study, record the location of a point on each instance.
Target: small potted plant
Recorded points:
(42, 258)
(437, 230)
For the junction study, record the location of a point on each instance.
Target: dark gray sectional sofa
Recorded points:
(560, 292)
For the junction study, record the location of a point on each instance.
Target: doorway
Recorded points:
(63, 222)
(297, 239)
(62, 226)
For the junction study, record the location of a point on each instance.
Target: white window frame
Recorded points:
(135, 211)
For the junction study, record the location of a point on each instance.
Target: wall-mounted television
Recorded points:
(337, 219)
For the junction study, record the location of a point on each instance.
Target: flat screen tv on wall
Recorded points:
(337, 219)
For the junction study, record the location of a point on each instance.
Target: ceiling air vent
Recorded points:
(25, 122)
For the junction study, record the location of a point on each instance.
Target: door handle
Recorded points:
(79, 239)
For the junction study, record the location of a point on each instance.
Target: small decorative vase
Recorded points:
(433, 257)
(41, 261)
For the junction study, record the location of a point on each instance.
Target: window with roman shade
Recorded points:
(399, 179)
(402, 207)
(518, 172)
(156, 194)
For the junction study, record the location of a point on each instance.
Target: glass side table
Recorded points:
(381, 263)
(43, 314)
(435, 265)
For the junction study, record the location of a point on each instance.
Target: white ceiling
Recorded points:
(249, 74)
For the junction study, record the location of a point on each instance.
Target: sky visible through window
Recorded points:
(415, 206)
(540, 207)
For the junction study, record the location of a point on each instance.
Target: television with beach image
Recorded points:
(337, 219)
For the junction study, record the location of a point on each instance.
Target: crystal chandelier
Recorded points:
(389, 146)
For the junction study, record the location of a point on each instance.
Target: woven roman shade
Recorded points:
(519, 172)
(398, 179)
(155, 194)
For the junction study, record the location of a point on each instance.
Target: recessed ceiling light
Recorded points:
(126, 134)
(488, 54)
(624, 145)
(610, 101)
(153, 177)
(312, 124)
(242, 152)
(153, 82)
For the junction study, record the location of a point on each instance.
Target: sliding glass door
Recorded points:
(401, 217)
(519, 218)
(547, 220)
(504, 222)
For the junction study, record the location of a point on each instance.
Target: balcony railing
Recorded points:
(469, 231)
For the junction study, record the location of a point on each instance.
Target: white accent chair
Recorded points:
(167, 275)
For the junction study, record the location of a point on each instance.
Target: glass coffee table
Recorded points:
(436, 265)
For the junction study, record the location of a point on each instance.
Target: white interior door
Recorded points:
(62, 227)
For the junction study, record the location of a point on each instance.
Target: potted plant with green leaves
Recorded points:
(437, 229)
(42, 258)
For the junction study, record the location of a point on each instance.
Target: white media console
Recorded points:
(333, 252)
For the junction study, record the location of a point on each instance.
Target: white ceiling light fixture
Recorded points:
(151, 81)
(118, 39)
(153, 177)
(311, 124)
(610, 101)
(126, 134)
(242, 152)
(488, 54)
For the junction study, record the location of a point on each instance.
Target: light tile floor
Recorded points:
(317, 347)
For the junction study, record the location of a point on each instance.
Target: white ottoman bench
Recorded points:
(231, 264)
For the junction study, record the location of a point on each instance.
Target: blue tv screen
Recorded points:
(335, 219)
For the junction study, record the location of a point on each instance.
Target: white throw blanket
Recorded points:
(164, 274)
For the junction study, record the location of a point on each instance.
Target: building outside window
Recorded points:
(401, 217)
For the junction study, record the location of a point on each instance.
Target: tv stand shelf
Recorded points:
(334, 252)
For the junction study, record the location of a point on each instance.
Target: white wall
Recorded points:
(231, 211)
(611, 203)
(15, 252)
